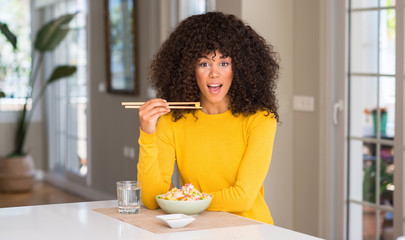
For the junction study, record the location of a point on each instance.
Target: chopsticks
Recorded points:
(172, 105)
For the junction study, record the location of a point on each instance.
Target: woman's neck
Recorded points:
(214, 108)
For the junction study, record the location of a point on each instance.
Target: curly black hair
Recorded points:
(254, 63)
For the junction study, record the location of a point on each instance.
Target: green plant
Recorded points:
(11, 37)
(48, 38)
(369, 181)
(8, 34)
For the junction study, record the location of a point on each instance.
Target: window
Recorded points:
(15, 65)
(373, 137)
(191, 7)
(67, 98)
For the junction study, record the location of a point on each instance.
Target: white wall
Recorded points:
(292, 187)
(306, 124)
(273, 19)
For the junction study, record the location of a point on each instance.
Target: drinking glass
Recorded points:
(129, 196)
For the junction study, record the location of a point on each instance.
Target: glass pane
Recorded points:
(355, 221)
(363, 222)
(362, 173)
(121, 47)
(61, 132)
(82, 120)
(61, 150)
(15, 65)
(72, 120)
(61, 88)
(369, 172)
(61, 120)
(73, 88)
(388, 3)
(74, 160)
(364, 42)
(77, 162)
(82, 155)
(387, 176)
(387, 104)
(370, 223)
(191, 7)
(356, 170)
(387, 41)
(372, 3)
(363, 99)
(74, 51)
(387, 232)
(364, 3)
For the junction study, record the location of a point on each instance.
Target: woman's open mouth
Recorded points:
(214, 88)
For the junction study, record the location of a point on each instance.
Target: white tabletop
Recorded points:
(78, 221)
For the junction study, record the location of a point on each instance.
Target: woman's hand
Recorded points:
(150, 112)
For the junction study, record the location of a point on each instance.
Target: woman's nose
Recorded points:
(213, 73)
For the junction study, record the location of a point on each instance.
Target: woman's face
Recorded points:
(214, 78)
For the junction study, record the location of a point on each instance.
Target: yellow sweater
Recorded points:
(220, 154)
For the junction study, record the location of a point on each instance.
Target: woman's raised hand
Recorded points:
(150, 112)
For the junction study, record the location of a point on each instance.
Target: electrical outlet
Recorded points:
(128, 152)
(131, 152)
(304, 103)
(101, 87)
(125, 151)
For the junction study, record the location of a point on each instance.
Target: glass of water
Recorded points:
(129, 196)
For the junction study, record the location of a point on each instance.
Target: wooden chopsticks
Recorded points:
(172, 105)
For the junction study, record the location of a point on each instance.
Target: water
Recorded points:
(129, 199)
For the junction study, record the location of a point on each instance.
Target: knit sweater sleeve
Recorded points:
(155, 167)
(253, 168)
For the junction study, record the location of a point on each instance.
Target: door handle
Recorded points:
(338, 106)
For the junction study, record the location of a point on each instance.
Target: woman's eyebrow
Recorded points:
(221, 57)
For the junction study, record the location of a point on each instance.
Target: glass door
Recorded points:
(67, 98)
(372, 133)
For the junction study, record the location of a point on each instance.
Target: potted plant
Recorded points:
(385, 195)
(17, 168)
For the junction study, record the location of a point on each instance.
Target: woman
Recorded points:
(225, 148)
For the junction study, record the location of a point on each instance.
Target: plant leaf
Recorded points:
(61, 71)
(8, 34)
(2, 94)
(57, 38)
(52, 33)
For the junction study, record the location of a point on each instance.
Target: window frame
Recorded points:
(398, 141)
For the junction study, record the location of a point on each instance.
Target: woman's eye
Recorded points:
(204, 64)
(223, 64)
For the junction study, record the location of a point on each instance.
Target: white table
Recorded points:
(78, 221)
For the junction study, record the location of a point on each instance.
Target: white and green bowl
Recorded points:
(184, 207)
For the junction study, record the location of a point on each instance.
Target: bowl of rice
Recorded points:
(186, 200)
